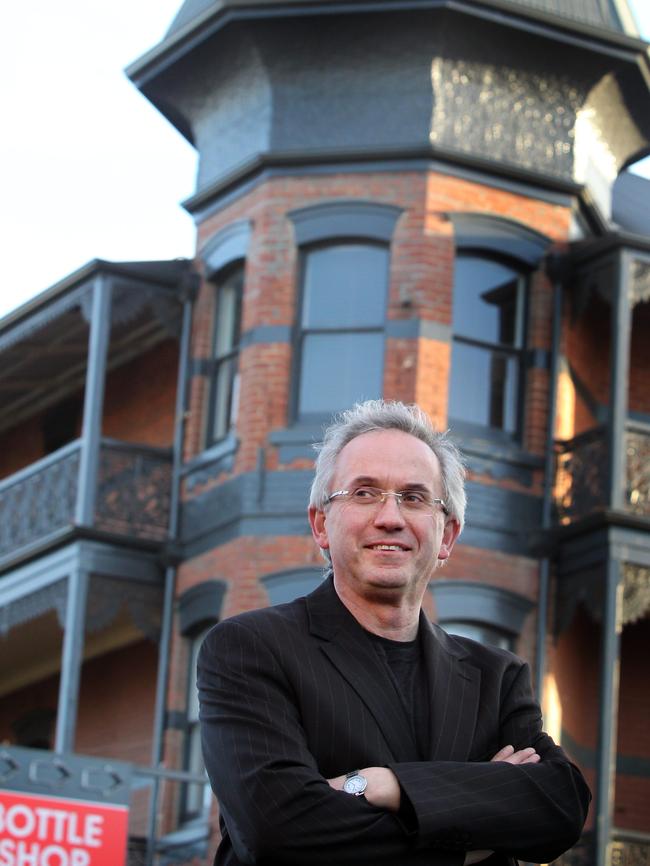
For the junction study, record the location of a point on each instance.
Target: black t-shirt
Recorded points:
(408, 671)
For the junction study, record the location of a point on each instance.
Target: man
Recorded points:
(344, 728)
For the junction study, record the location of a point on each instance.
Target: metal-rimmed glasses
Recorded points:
(410, 501)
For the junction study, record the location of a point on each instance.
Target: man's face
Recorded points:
(378, 550)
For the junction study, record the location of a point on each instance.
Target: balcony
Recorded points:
(38, 504)
(582, 473)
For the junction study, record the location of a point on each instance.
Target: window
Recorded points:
(487, 614)
(489, 339)
(224, 380)
(197, 797)
(341, 337)
(481, 633)
(283, 586)
(199, 609)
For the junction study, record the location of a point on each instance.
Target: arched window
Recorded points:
(484, 613)
(199, 608)
(494, 257)
(284, 586)
(339, 334)
(489, 337)
(224, 362)
(224, 258)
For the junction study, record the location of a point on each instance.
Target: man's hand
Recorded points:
(523, 756)
(509, 756)
(476, 857)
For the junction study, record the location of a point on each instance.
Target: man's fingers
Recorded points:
(522, 756)
(476, 857)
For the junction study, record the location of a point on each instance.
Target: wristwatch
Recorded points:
(355, 783)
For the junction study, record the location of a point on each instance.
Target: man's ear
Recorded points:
(449, 536)
(317, 521)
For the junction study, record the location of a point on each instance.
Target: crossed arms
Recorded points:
(383, 790)
(279, 807)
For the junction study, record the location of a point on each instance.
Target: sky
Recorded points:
(88, 168)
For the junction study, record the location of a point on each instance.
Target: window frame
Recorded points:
(518, 352)
(480, 605)
(330, 223)
(199, 609)
(192, 730)
(235, 271)
(300, 332)
(520, 247)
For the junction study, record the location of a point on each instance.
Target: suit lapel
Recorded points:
(454, 683)
(349, 649)
(454, 686)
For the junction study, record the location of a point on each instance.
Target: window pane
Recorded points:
(483, 387)
(226, 333)
(481, 633)
(224, 386)
(338, 370)
(345, 287)
(485, 301)
(197, 797)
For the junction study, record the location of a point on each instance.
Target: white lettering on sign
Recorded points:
(58, 825)
(21, 853)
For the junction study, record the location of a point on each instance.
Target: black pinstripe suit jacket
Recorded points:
(295, 694)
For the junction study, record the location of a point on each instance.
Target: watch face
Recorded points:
(355, 784)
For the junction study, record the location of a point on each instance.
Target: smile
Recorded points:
(396, 547)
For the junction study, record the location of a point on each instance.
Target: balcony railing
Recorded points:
(582, 473)
(159, 833)
(38, 503)
(630, 848)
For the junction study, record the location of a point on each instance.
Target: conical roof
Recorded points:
(613, 15)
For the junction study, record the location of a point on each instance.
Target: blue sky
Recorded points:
(88, 168)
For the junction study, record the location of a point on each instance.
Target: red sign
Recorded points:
(36, 830)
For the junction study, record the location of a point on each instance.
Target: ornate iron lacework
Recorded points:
(640, 282)
(638, 471)
(133, 498)
(581, 473)
(38, 502)
(52, 597)
(629, 852)
(134, 491)
(108, 596)
(636, 592)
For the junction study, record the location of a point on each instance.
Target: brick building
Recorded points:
(423, 201)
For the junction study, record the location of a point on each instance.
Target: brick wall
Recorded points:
(115, 703)
(632, 801)
(420, 285)
(139, 406)
(140, 398)
(573, 661)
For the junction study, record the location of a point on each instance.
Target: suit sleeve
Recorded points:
(275, 803)
(533, 812)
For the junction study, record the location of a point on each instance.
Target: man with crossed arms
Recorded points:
(344, 727)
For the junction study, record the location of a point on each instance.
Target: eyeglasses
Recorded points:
(411, 501)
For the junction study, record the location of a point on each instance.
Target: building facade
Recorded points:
(422, 201)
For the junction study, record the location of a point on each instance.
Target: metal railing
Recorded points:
(582, 473)
(630, 848)
(133, 494)
(177, 837)
(180, 833)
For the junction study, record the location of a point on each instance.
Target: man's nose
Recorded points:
(389, 513)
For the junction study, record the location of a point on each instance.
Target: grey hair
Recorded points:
(390, 415)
